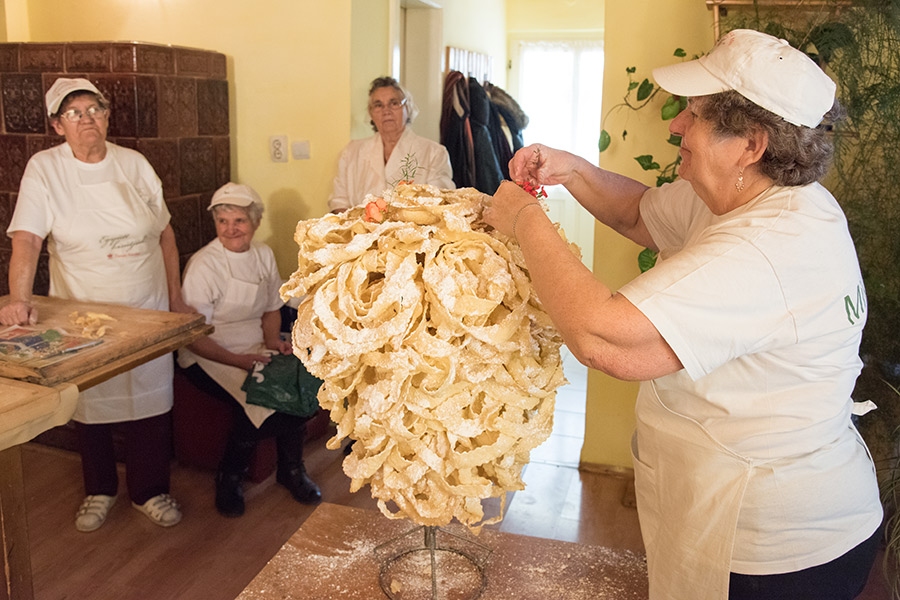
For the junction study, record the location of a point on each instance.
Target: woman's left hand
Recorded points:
(500, 211)
(178, 305)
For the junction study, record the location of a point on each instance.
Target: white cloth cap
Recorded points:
(764, 69)
(64, 86)
(236, 194)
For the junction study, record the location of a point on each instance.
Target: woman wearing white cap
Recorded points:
(372, 165)
(234, 282)
(752, 481)
(101, 208)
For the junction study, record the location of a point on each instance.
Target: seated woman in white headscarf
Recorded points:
(234, 282)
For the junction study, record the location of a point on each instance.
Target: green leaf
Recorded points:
(605, 140)
(645, 89)
(630, 69)
(646, 162)
(632, 85)
(646, 259)
(680, 53)
(675, 140)
(661, 179)
(670, 109)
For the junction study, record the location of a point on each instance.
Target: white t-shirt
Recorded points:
(206, 278)
(362, 170)
(103, 223)
(765, 307)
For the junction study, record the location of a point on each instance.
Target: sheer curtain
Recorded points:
(558, 84)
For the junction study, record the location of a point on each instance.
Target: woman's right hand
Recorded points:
(19, 313)
(541, 165)
(248, 361)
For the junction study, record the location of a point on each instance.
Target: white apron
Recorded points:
(689, 490)
(109, 251)
(236, 333)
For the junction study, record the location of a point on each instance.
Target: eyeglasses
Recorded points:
(73, 115)
(393, 104)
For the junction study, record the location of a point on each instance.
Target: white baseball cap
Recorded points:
(236, 194)
(761, 68)
(64, 86)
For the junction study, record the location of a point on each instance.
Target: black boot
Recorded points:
(229, 494)
(229, 479)
(291, 472)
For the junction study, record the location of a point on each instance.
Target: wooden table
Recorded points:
(39, 395)
(332, 557)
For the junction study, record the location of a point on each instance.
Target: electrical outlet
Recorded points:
(278, 148)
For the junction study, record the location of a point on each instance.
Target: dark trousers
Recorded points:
(148, 452)
(288, 430)
(844, 578)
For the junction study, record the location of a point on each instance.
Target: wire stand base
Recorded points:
(445, 566)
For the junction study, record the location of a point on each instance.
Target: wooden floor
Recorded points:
(209, 557)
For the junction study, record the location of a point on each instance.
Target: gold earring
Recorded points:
(739, 186)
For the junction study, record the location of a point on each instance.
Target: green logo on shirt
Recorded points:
(855, 310)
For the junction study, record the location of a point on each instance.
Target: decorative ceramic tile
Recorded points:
(163, 156)
(42, 58)
(12, 161)
(88, 57)
(207, 225)
(23, 103)
(6, 210)
(147, 107)
(222, 148)
(197, 165)
(212, 107)
(155, 59)
(186, 223)
(5, 256)
(167, 111)
(193, 63)
(9, 58)
(125, 142)
(42, 276)
(187, 106)
(124, 58)
(120, 91)
(219, 65)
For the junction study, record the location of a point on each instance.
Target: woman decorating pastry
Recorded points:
(372, 165)
(101, 208)
(234, 282)
(752, 481)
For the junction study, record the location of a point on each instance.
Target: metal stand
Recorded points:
(439, 545)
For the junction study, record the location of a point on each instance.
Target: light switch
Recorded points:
(300, 150)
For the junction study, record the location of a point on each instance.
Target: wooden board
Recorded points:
(136, 336)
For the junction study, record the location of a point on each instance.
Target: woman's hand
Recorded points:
(541, 165)
(19, 313)
(282, 346)
(503, 210)
(247, 361)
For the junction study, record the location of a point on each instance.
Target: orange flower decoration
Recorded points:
(375, 210)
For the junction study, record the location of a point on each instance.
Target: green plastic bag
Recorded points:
(284, 385)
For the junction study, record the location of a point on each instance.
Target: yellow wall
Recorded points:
(642, 34)
(549, 16)
(289, 67)
(479, 26)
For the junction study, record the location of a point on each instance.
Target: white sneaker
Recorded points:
(163, 510)
(93, 511)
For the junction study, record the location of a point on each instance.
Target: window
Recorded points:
(559, 85)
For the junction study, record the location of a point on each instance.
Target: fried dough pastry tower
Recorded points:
(436, 356)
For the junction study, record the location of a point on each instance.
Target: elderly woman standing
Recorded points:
(234, 282)
(394, 153)
(752, 481)
(101, 208)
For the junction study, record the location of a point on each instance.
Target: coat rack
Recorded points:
(472, 64)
